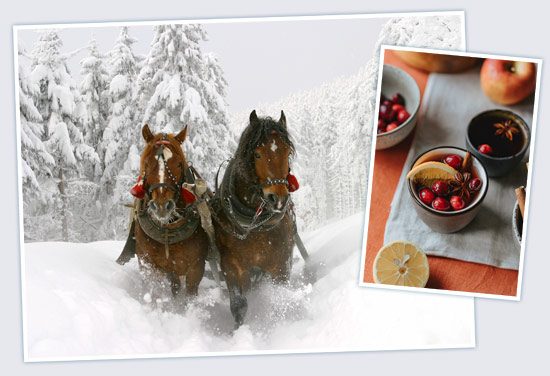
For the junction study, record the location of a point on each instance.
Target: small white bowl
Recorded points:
(395, 80)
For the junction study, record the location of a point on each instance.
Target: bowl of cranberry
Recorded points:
(398, 107)
(447, 185)
(499, 139)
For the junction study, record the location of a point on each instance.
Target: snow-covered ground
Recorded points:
(79, 303)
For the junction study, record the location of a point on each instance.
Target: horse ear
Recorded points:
(253, 117)
(282, 120)
(146, 132)
(180, 137)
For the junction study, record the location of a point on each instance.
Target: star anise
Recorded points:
(508, 129)
(460, 185)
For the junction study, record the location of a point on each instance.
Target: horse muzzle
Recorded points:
(162, 211)
(275, 202)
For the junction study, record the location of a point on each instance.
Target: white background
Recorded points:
(512, 337)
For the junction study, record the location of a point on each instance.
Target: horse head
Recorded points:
(163, 168)
(271, 160)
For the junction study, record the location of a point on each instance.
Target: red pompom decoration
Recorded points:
(188, 196)
(292, 183)
(138, 191)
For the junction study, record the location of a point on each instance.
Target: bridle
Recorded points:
(176, 187)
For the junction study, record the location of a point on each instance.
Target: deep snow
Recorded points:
(79, 303)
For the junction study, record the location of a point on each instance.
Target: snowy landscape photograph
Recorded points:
(84, 94)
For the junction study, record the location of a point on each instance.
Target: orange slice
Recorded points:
(401, 263)
(428, 173)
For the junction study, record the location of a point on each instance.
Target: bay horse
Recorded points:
(252, 211)
(169, 240)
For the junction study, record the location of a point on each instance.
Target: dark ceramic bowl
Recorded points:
(448, 221)
(497, 166)
(517, 223)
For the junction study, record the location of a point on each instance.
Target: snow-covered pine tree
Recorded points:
(180, 85)
(93, 89)
(36, 161)
(59, 104)
(121, 136)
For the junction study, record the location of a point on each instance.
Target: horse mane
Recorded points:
(257, 132)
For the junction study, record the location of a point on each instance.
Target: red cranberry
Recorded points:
(458, 203)
(485, 149)
(441, 204)
(397, 107)
(454, 161)
(426, 196)
(475, 184)
(397, 98)
(382, 98)
(391, 126)
(381, 124)
(388, 102)
(386, 112)
(402, 116)
(440, 188)
(378, 131)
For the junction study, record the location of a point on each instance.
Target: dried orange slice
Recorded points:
(401, 263)
(428, 173)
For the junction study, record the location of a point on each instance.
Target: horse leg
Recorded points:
(193, 278)
(237, 300)
(175, 283)
(281, 273)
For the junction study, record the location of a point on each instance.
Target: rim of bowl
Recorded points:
(417, 107)
(515, 216)
(479, 199)
(523, 125)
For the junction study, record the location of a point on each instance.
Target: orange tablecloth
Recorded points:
(445, 274)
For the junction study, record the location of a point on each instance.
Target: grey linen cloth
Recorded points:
(450, 102)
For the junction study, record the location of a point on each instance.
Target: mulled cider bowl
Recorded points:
(444, 212)
(395, 80)
(499, 139)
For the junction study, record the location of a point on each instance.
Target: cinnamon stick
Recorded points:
(520, 194)
(466, 162)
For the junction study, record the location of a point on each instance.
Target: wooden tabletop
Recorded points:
(445, 273)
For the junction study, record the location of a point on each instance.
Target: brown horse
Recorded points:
(253, 215)
(168, 235)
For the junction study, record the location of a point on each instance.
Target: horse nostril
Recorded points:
(272, 197)
(169, 205)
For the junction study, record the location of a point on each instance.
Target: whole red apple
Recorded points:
(508, 82)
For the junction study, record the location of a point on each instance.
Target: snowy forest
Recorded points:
(81, 141)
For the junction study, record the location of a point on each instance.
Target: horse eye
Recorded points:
(146, 165)
(257, 155)
(180, 165)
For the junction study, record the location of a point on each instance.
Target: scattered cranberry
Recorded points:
(391, 126)
(402, 116)
(386, 112)
(475, 184)
(387, 102)
(381, 124)
(441, 204)
(485, 149)
(454, 161)
(397, 98)
(426, 196)
(440, 188)
(397, 107)
(458, 203)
